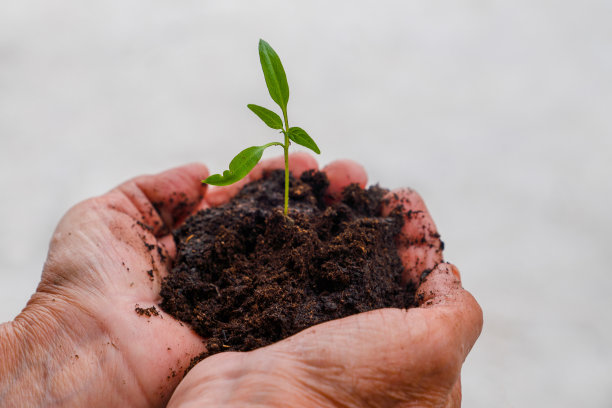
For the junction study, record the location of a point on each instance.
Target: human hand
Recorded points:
(80, 342)
(382, 358)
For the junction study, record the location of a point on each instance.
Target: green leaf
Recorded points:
(274, 73)
(239, 167)
(299, 136)
(270, 118)
(221, 180)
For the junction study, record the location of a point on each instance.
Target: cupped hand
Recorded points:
(382, 358)
(93, 333)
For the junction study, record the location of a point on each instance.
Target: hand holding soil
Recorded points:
(382, 358)
(93, 335)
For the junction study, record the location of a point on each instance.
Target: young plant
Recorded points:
(243, 163)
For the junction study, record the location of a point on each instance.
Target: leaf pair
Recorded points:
(296, 134)
(276, 81)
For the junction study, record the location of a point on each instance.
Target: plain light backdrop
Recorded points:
(497, 112)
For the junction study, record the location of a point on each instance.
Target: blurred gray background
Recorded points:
(497, 112)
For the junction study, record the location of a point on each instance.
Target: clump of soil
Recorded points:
(148, 312)
(247, 276)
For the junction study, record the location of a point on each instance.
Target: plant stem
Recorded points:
(286, 149)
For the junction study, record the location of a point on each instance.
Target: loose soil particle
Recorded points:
(247, 276)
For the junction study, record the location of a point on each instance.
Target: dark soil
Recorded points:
(247, 276)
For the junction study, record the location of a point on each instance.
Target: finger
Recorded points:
(298, 163)
(342, 173)
(419, 244)
(164, 200)
(455, 310)
(437, 285)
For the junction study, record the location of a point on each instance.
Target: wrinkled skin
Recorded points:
(79, 341)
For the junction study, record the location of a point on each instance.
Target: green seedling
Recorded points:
(243, 163)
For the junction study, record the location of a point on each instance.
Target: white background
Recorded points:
(497, 112)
